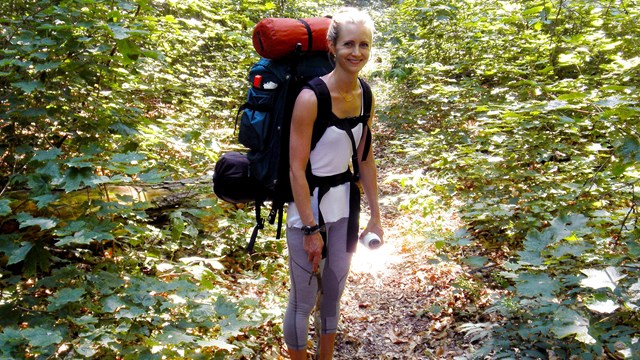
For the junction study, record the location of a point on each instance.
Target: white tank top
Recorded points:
(331, 156)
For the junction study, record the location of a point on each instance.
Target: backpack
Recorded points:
(262, 174)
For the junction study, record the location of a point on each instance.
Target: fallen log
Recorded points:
(159, 197)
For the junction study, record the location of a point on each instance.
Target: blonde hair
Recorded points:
(348, 15)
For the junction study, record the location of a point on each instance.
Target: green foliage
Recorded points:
(98, 96)
(530, 111)
(523, 114)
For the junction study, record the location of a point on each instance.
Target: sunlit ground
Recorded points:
(377, 261)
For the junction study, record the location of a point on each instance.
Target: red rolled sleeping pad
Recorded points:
(275, 38)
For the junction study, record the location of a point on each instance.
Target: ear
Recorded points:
(332, 47)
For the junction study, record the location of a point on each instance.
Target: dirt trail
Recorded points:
(400, 305)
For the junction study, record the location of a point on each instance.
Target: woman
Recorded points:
(317, 235)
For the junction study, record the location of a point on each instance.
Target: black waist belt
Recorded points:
(324, 184)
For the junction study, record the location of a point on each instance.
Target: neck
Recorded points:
(344, 82)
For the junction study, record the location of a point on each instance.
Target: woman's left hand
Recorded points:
(374, 227)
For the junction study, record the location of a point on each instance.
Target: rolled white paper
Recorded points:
(371, 240)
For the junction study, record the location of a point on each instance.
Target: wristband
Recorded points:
(311, 229)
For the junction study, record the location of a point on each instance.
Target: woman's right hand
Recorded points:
(313, 245)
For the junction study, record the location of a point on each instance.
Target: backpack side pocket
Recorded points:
(256, 119)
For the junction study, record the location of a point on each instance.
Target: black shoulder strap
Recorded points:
(323, 95)
(368, 109)
(368, 99)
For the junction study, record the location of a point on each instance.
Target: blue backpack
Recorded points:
(262, 174)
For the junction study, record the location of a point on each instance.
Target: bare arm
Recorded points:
(303, 118)
(368, 179)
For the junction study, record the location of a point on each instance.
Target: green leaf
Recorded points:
(131, 312)
(112, 304)
(64, 297)
(152, 177)
(603, 307)
(128, 158)
(476, 261)
(173, 336)
(224, 307)
(48, 66)
(20, 253)
(50, 170)
(533, 11)
(574, 249)
(45, 155)
(10, 337)
(84, 237)
(41, 337)
(85, 348)
(5, 208)
(178, 224)
(231, 326)
(218, 344)
(534, 244)
(535, 285)
(28, 86)
(123, 129)
(611, 102)
(44, 200)
(564, 225)
(106, 282)
(214, 263)
(598, 279)
(630, 148)
(38, 258)
(27, 220)
(129, 49)
(567, 322)
(75, 177)
(118, 31)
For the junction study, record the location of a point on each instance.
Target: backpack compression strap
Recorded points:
(309, 34)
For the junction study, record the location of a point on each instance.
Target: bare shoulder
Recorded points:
(307, 97)
(306, 106)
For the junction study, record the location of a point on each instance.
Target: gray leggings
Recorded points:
(302, 297)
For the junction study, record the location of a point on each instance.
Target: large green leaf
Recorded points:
(112, 304)
(65, 296)
(44, 200)
(29, 86)
(598, 279)
(77, 177)
(85, 236)
(26, 220)
(45, 155)
(534, 244)
(564, 225)
(218, 344)
(119, 32)
(128, 158)
(152, 176)
(20, 253)
(174, 336)
(5, 209)
(603, 307)
(535, 285)
(630, 149)
(568, 322)
(42, 336)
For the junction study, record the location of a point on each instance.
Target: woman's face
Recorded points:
(352, 47)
